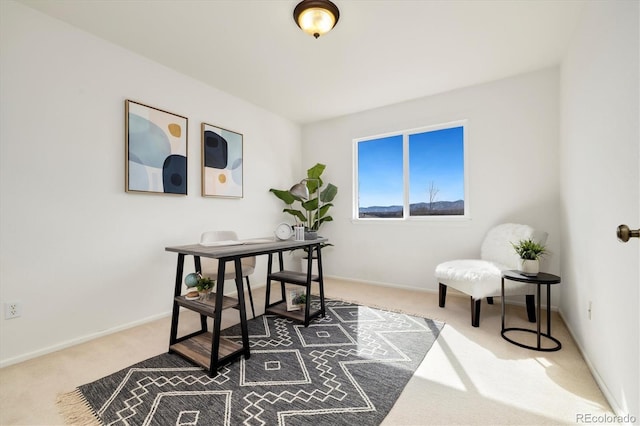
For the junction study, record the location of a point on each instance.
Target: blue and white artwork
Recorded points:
(156, 145)
(221, 162)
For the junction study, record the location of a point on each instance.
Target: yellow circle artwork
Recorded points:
(175, 130)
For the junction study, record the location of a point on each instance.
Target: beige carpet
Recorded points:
(470, 376)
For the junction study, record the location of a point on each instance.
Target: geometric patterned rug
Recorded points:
(347, 368)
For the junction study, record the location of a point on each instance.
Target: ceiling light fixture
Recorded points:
(316, 17)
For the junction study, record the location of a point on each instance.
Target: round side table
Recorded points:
(541, 279)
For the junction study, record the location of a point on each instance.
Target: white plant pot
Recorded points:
(529, 267)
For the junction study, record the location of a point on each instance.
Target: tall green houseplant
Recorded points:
(306, 212)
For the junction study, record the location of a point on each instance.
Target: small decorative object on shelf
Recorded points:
(204, 285)
(191, 280)
(192, 295)
(530, 253)
(296, 299)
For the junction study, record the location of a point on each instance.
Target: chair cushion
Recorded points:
(479, 278)
(473, 270)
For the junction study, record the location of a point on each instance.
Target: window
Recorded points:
(410, 174)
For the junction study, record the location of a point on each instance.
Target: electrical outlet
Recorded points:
(12, 310)
(589, 309)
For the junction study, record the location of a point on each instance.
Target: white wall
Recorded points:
(600, 190)
(82, 256)
(513, 175)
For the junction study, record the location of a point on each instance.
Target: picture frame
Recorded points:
(294, 301)
(155, 150)
(222, 162)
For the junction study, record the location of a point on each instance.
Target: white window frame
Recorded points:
(405, 172)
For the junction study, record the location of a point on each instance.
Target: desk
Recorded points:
(540, 280)
(194, 346)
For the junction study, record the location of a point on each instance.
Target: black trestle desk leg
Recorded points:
(267, 295)
(281, 265)
(203, 318)
(321, 282)
(176, 293)
(217, 320)
(253, 310)
(307, 305)
(243, 310)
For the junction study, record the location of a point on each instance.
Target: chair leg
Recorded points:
(475, 312)
(253, 311)
(531, 307)
(442, 295)
(490, 300)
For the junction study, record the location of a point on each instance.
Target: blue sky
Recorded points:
(436, 156)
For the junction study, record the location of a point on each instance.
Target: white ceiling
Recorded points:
(381, 51)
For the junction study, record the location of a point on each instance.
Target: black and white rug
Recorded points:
(345, 369)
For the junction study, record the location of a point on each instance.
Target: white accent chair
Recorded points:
(209, 266)
(482, 277)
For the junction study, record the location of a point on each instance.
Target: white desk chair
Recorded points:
(482, 277)
(210, 266)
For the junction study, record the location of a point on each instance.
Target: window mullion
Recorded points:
(405, 175)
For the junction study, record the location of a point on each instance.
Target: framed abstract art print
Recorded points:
(155, 150)
(222, 166)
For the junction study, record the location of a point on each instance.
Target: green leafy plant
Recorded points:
(204, 283)
(300, 299)
(319, 195)
(529, 249)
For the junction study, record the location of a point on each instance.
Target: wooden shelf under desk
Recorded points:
(291, 277)
(198, 349)
(206, 307)
(281, 310)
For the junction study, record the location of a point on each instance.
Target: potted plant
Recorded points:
(312, 213)
(530, 253)
(203, 285)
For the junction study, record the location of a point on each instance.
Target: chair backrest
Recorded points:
(211, 236)
(497, 247)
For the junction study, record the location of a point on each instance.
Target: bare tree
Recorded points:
(433, 191)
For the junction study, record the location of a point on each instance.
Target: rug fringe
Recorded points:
(76, 411)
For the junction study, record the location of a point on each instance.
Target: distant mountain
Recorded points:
(439, 205)
(435, 206)
(381, 209)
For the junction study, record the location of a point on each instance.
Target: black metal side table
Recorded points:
(541, 279)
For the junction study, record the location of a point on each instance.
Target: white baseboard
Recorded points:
(66, 344)
(594, 372)
(82, 339)
(380, 284)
